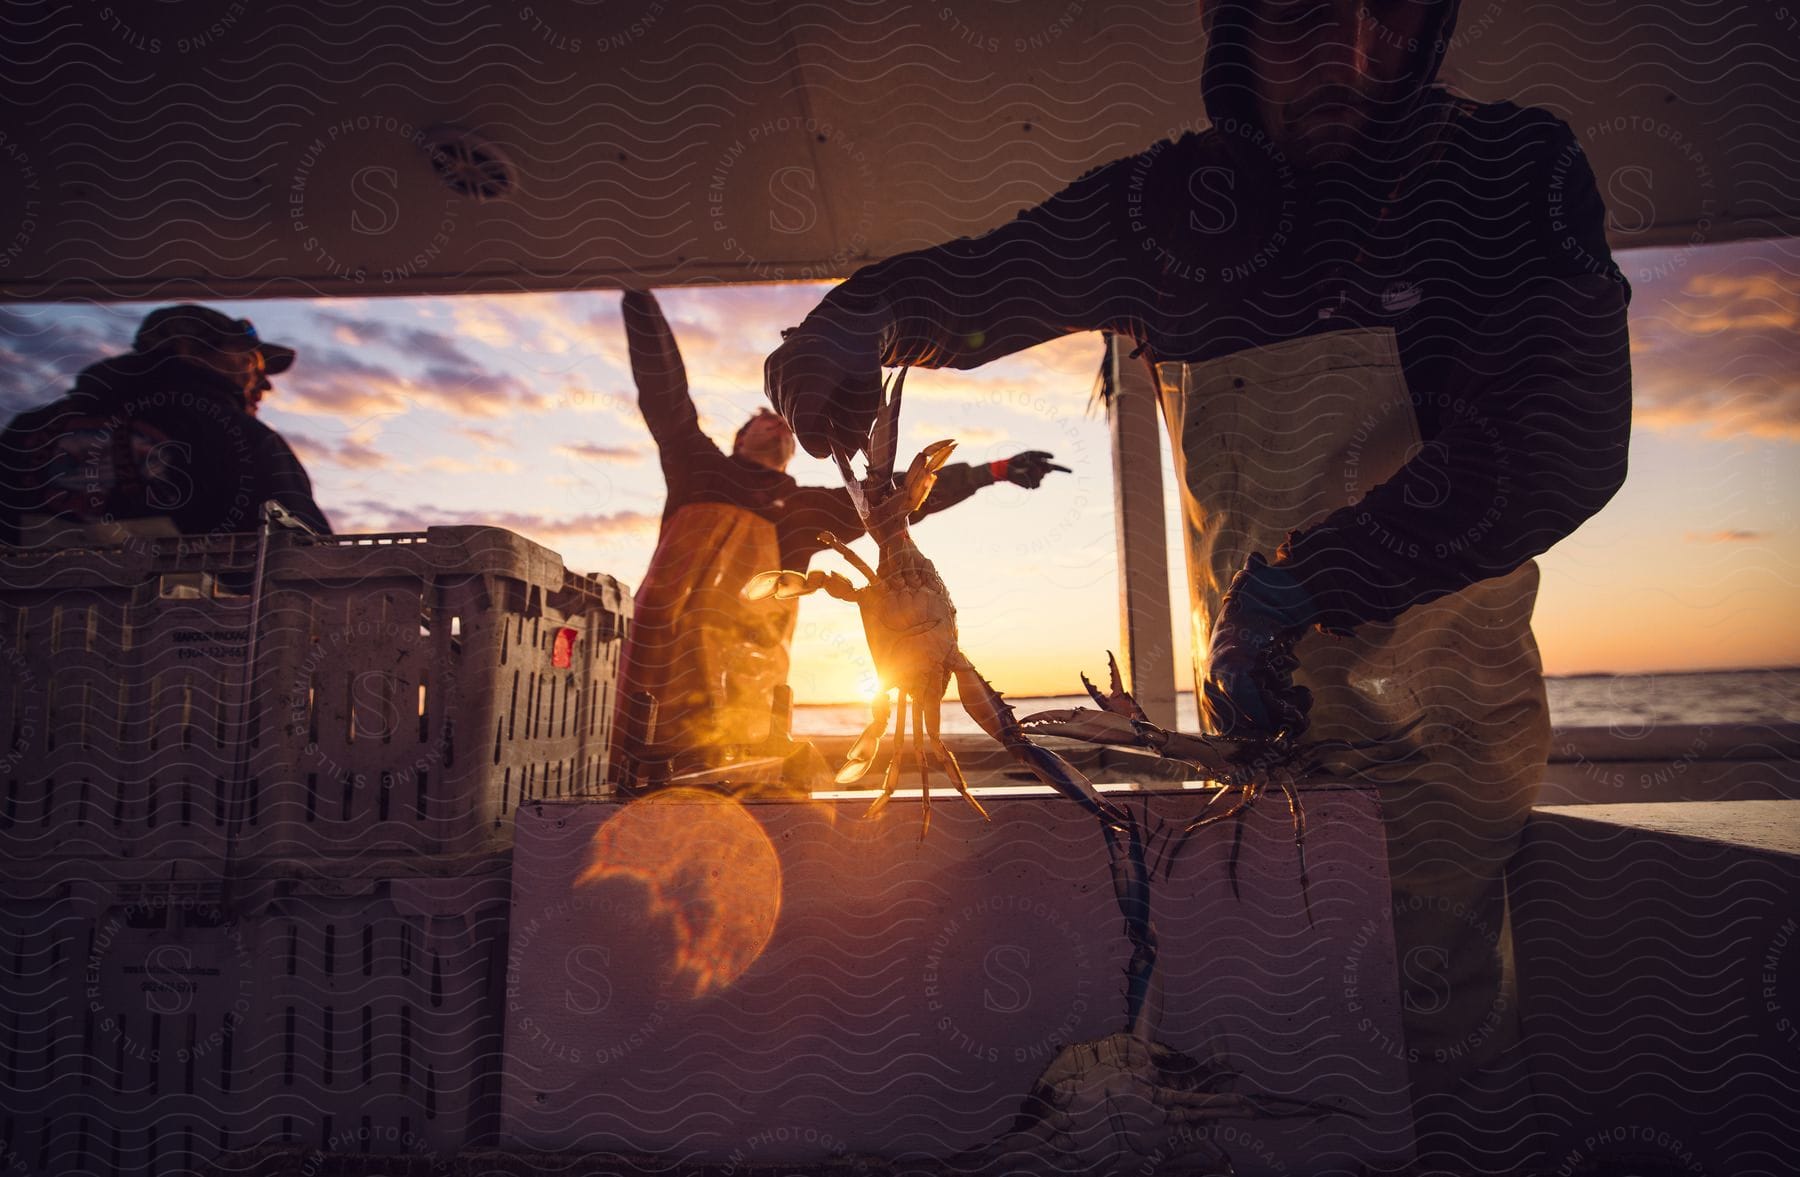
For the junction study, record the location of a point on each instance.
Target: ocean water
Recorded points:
(1589, 700)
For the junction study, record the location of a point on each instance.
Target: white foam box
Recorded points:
(783, 982)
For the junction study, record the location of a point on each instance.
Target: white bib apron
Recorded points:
(1273, 439)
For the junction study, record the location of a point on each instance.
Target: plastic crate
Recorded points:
(408, 692)
(150, 1025)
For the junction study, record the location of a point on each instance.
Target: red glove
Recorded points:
(1026, 469)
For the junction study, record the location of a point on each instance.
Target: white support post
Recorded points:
(1144, 622)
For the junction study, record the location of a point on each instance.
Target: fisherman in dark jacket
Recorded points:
(711, 659)
(1390, 343)
(160, 441)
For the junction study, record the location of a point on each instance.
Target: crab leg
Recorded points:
(868, 745)
(1246, 795)
(986, 707)
(1299, 815)
(1249, 794)
(1205, 753)
(856, 561)
(947, 758)
(1131, 887)
(892, 779)
(1253, 794)
(1201, 754)
(785, 585)
(1080, 723)
(1244, 769)
(1124, 840)
(924, 765)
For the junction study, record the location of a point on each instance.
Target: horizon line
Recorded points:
(1786, 669)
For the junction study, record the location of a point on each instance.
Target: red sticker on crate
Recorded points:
(562, 654)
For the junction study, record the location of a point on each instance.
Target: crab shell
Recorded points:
(910, 623)
(1112, 1107)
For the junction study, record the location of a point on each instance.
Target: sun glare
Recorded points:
(707, 870)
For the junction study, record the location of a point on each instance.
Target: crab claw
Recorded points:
(921, 476)
(868, 744)
(884, 435)
(1117, 699)
(852, 484)
(1080, 723)
(861, 757)
(995, 717)
(780, 584)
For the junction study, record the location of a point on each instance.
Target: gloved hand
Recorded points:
(825, 378)
(1249, 692)
(1026, 469)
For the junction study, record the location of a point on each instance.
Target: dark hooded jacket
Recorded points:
(148, 435)
(1481, 245)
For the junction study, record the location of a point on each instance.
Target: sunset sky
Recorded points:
(518, 411)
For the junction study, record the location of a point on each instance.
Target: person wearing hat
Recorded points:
(162, 440)
(711, 659)
(1391, 347)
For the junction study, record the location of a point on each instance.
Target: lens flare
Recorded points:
(706, 870)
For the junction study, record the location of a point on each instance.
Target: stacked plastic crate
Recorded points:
(255, 831)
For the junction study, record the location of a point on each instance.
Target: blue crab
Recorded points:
(910, 623)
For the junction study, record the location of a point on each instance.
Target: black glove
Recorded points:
(825, 378)
(1249, 692)
(1026, 469)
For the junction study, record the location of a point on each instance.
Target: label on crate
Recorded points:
(211, 643)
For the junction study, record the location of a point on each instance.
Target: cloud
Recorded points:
(1763, 301)
(726, 332)
(443, 464)
(598, 525)
(540, 324)
(1722, 356)
(432, 346)
(547, 333)
(588, 451)
(349, 453)
(1731, 536)
(42, 349)
(371, 515)
(332, 383)
(480, 320)
(962, 434)
(439, 374)
(335, 383)
(486, 441)
(578, 393)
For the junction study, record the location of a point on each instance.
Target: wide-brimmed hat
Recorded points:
(192, 321)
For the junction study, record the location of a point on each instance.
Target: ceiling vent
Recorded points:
(469, 164)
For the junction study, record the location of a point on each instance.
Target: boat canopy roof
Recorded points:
(221, 149)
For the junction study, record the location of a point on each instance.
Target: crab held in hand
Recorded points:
(910, 623)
